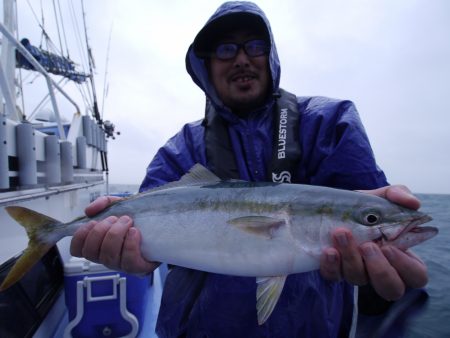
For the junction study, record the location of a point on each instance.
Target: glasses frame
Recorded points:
(246, 46)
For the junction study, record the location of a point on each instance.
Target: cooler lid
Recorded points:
(78, 265)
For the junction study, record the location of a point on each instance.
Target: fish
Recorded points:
(256, 229)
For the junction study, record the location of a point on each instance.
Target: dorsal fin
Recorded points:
(197, 175)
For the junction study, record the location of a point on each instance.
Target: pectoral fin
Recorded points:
(267, 294)
(258, 225)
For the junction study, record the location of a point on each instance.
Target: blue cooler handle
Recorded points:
(86, 283)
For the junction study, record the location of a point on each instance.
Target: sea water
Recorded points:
(434, 320)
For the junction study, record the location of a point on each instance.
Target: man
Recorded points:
(234, 61)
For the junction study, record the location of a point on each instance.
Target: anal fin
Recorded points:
(267, 294)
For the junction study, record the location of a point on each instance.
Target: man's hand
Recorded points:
(113, 242)
(388, 269)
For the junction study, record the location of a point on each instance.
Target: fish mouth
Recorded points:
(393, 232)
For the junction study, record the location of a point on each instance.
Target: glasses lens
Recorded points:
(226, 51)
(256, 47)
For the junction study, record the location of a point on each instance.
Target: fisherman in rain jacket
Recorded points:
(331, 149)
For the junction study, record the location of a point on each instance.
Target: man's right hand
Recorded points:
(113, 242)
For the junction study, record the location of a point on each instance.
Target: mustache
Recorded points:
(242, 73)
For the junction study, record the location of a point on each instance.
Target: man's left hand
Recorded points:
(388, 269)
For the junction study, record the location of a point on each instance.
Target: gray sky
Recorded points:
(391, 58)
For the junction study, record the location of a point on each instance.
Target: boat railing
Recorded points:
(29, 157)
(51, 84)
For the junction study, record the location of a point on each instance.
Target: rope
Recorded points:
(63, 29)
(46, 98)
(78, 37)
(57, 26)
(44, 35)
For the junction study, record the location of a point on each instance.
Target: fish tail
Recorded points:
(36, 226)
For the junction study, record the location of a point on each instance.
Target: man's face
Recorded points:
(241, 82)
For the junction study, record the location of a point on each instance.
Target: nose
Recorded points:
(241, 59)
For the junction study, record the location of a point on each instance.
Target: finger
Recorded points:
(353, 269)
(330, 265)
(383, 276)
(410, 268)
(398, 194)
(99, 204)
(111, 248)
(94, 239)
(79, 237)
(132, 260)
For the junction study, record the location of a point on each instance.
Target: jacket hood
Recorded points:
(227, 15)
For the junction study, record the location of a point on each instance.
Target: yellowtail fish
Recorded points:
(263, 230)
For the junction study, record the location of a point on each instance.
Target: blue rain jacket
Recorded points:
(335, 153)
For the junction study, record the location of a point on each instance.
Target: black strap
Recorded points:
(286, 146)
(219, 152)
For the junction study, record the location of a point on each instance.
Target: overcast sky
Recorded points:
(391, 58)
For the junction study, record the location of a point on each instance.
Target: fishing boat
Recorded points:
(53, 159)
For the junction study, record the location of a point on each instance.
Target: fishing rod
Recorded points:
(105, 86)
(103, 152)
(91, 68)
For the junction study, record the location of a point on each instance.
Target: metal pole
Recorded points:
(26, 153)
(10, 103)
(4, 165)
(50, 82)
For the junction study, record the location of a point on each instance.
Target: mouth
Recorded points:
(407, 233)
(393, 231)
(243, 78)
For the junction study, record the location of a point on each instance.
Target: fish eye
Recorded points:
(371, 219)
(368, 216)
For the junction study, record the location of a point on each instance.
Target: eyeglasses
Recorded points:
(227, 51)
